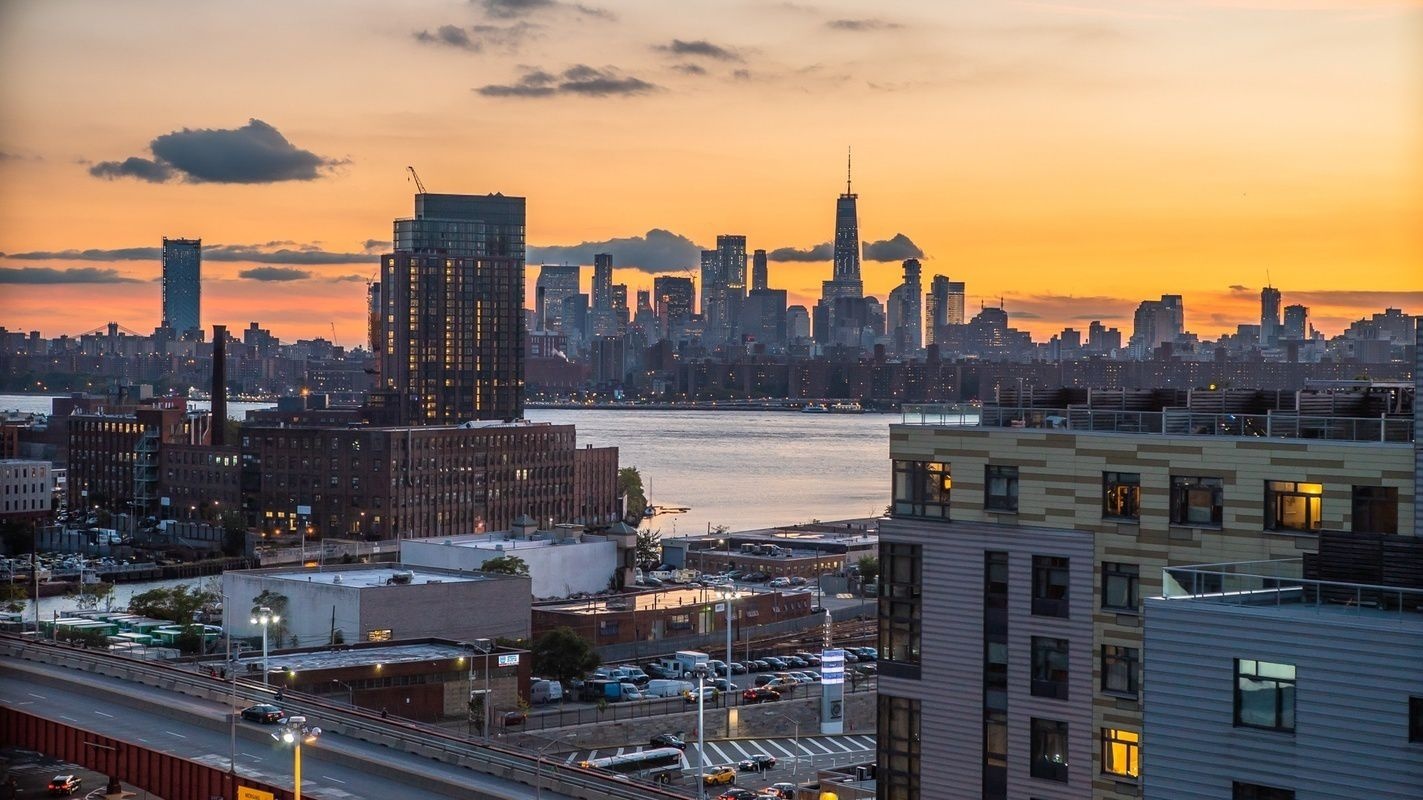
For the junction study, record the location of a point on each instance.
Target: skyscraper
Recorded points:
(453, 294)
(1269, 316)
(904, 322)
(759, 277)
(182, 284)
(673, 300)
(847, 242)
(731, 261)
(602, 281)
(714, 298)
(1296, 325)
(555, 284)
(955, 303)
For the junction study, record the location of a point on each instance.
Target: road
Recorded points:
(32, 772)
(196, 729)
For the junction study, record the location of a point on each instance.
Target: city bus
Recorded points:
(660, 764)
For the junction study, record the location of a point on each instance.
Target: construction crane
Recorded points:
(416, 176)
(333, 333)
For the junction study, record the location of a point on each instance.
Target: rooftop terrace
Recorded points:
(365, 578)
(1278, 587)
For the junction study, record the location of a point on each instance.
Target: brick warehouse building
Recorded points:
(671, 614)
(114, 458)
(432, 480)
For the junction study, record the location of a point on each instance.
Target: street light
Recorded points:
(350, 692)
(483, 647)
(263, 616)
(232, 701)
(795, 769)
(727, 593)
(295, 732)
(701, 672)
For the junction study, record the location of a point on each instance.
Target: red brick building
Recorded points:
(114, 458)
(668, 614)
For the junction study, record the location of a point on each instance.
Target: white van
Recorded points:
(666, 688)
(544, 691)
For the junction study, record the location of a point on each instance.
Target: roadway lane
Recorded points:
(165, 721)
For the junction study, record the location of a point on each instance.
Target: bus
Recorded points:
(660, 764)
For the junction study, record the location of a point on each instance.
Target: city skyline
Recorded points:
(1185, 160)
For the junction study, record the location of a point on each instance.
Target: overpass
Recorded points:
(127, 717)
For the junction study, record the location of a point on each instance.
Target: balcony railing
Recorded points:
(1170, 422)
(1279, 583)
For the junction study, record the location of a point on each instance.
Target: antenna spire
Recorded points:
(848, 154)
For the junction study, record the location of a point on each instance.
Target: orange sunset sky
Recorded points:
(1070, 157)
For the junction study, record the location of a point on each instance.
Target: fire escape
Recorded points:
(145, 473)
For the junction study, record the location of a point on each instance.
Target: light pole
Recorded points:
(539, 764)
(263, 616)
(727, 594)
(294, 732)
(350, 692)
(701, 671)
(485, 647)
(795, 769)
(232, 700)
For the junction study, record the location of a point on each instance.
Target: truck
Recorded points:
(667, 688)
(611, 690)
(683, 664)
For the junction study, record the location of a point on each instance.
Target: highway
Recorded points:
(196, 729)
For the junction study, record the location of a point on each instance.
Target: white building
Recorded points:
(26, 488)
(561, 562)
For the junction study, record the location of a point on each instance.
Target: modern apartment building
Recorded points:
(182, 284)
(1268, 683)
(1018, 549)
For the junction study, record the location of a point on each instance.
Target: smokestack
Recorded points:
(219, 385)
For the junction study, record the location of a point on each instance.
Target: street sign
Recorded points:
(248, 793)
(509, 660)
(832, 667)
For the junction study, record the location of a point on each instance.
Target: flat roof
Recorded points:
(358, 657)
(645, 601)
(495, 541)
(374, 576)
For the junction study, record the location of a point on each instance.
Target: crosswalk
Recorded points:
(730, 751)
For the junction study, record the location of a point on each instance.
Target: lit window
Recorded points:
(1121, 752)
(1048, 750)
(379, 635)
(1121, 495)
(921, 489)
(1293, 506)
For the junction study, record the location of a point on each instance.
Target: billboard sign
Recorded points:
(832, 667)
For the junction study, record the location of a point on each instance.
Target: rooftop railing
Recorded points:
(1169, 422)
(1279, 583)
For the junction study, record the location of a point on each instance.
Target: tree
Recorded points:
(234, 533)
(17, 536)
(563, 655)
(176, 604)
(505, 565)
(13, 597)
(649, 547)
(869, 568)
(91, 596)
(630, 487)
(277, 602)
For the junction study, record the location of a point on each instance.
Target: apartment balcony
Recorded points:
(1279, 586)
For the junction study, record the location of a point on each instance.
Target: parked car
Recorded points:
(795, 661)
(65, 784)
(810, 659)
(737, 794)
(724, 685)
(868, 670)
(760, 694)
(755, 577)
(798, 581)
(658, 671)
(667, 740)
(709, 694)
(758, 762)
(757, 665)
(772, 662)
(779, 583)
(813, 675)
(850, 657)
(801, 677)
(511, 719)
(762, 680)
(717, 667)
(785, 791)
(718, 776)
(738, 668)
(263, 713)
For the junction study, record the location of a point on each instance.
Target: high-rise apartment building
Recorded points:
(936, 308)
(1155, 323)
(602, 281)
(182, 284)
(731, 260)
(555, 284)
(1296, 325)
(453, 293)
(759, 274)
(673, 300)
(1269, 316)
(1018, 551)
(903, 317)
(955, 303)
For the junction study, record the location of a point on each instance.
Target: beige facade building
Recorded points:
(985, 558)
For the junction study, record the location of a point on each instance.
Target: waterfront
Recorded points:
(741, 469)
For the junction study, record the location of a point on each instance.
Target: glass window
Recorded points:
(1000, 488)
(898, 748)
(1121, 752)
(1375, 509)
(921, 489)
(1119, 669)
(1050, 575)
(1121, 495)
(1254, 791)
(1197, 501)
(1049, 667)
(1048, 750)
(1264, 695)
(1121, 587)
(900, 605)
(1291, 506)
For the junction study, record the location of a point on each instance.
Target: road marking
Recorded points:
(807, 742)
(329, 778)
(179, 735)
(836, 742)
(37, 696)
(739, 749)
(254, 758)
(71, 719)
(777, 745)
(102, 714)
(720, 754)
(570, 758)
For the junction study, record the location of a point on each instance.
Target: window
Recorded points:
(1049, 667)
(1049, 750)
(1291, 506)
(379, 635)
(1121, 495)
(1415, 719)
(900, 608)
(1121, 587)
(1254, 791)
(1197, 501)
(1050, 586)
(898, 748)
(1375, 509)
(921, 489)
(1121, 752)
(1264, 695)
(1119, 669)
(1000, 488)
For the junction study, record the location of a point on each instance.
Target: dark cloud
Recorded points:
(7, 156)
(376, 245)
(133, 167)
(820, 252)
(862, 25)
(1070, 308)
(657, 251)
(579, 79)
(700, 47)
(1235, 287)
(1368, 298)
(451, 36)
(38, 275)
(689, 69)
(254, 153)
(742, 74)
(516, 9)
(348, 279)
(896, 248)
(278, 274)
(306, 254)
